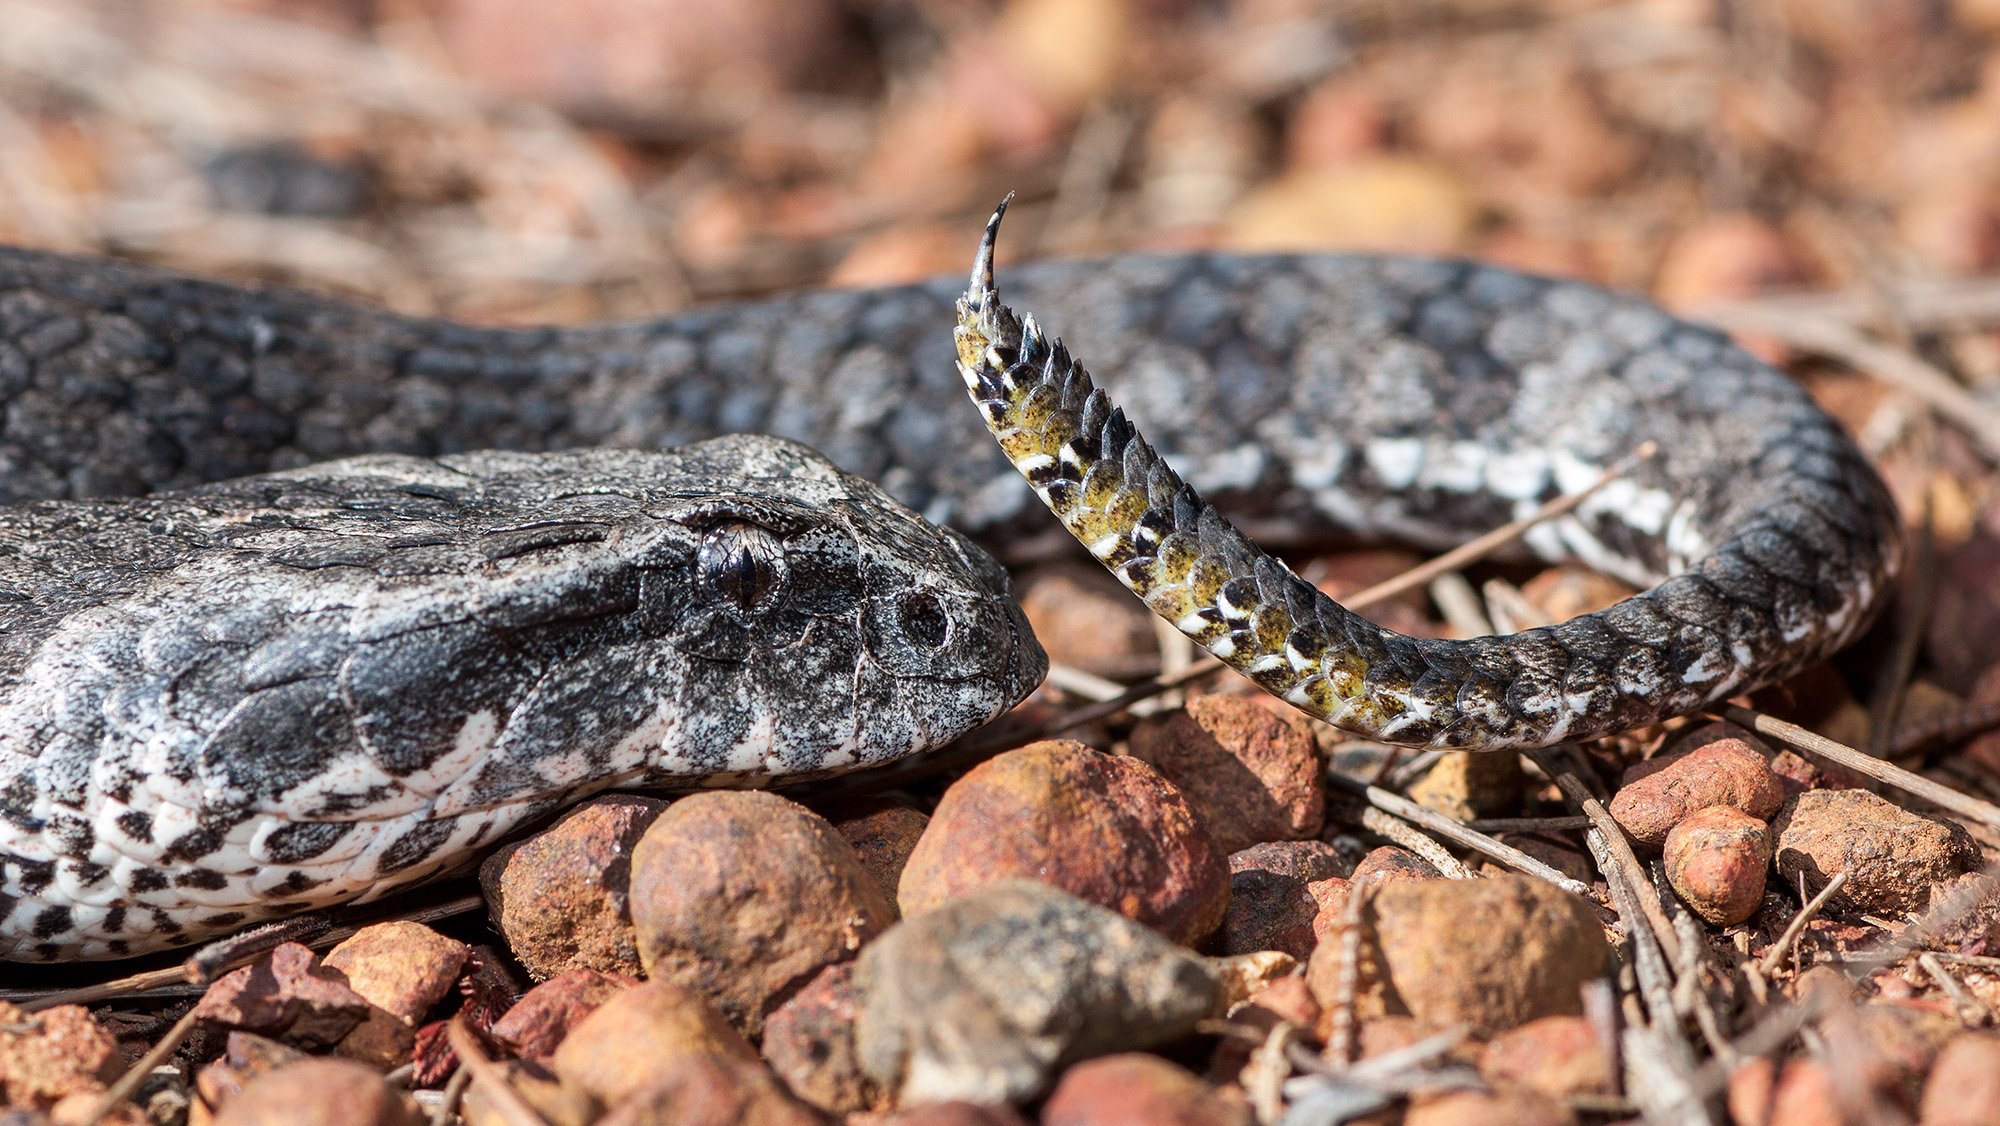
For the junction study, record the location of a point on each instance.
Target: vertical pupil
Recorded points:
(744, 565)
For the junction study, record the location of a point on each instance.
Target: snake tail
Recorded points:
(1778, 592)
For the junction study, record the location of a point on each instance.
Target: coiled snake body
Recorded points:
(343, 707)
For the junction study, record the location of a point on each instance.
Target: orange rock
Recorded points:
(317, 1091)
(809, 1042)
(1489, 954)
(47, 1055)
(560, 896)
(1656, 795)
(1557, 1056)
(1108, 830)
(1251, 774)
(1518, 1107)
(544, 1015)
(742, 896)
(1716, 859)
(881, 831)
(1136, 1089)
(1084, 619)
(1893, 857)
(618, 1049)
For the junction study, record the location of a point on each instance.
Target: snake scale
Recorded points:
(222, 702)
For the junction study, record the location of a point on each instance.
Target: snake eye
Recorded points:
(926, 623)
(741, 567)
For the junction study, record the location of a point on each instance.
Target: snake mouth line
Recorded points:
(1738, 618)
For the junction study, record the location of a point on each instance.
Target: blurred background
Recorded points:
(518, 160)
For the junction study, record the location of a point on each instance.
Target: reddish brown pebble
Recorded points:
(742, 896)
(705, 1089)
(1489, 954)
(1716, 859)
(1085, 620)
(544, 1015)
(319, 1092)
(560, 896)
(1726, 772)
(1136, 1089)
(1277, 891)
(1560, 1056)
(1803, 1095)
(1893, 858)
(286, 995)
(1391, 863)
(1251, 774)
(882, 831)
(621, 1047)
(1109, 830)
(809, 1042)
(1964, 1084)
(1519, 1107)
(47, 1055)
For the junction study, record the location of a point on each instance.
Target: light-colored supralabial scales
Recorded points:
(1791, 576)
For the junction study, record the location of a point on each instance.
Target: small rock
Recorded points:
(320, 1092)
(1716, 859)
(809, 1042)
(1391, 863)
(705, 1089)
(1490, 953)
(742, 895)
(1108, 829)
(1892, 857)
(560, 895)
(1277, 891)
(544, 1015)
(1728, 772)
(1571, 590)
(986, 997)
(1085, 620)
(1135, 1089)
(1517, 1107)
(286, 995)
(618, 1049)
(1964, 1084)
(1251, 775)
(1467, 785)
(882, 832)
(1559, 1056)
(1802, 1095)
(57, 1052)
(245, 1056)
(401, 969)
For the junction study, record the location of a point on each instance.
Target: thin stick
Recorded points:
(1614, 847)
(128, 1083)
(1458, 833)
(1479, 548)
(1402, 833)
(1944, 797)
(511, 1108)
(1768, 964)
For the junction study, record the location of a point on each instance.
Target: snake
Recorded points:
(303, 601)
